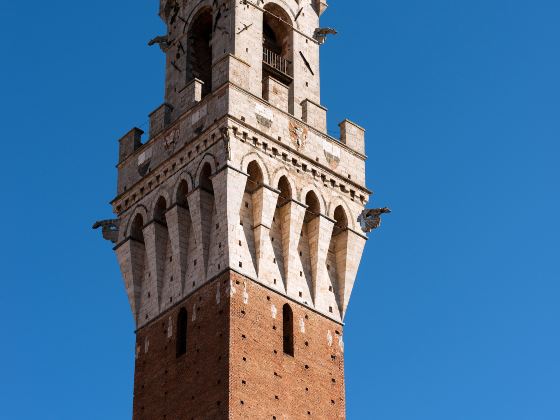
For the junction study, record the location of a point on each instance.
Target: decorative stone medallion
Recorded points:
(298, 134)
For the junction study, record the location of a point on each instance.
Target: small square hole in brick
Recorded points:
(330, 309)
(246, 204)
(300, 294)
(274, 281)
(240, 264)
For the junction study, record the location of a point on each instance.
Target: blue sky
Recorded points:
(455, 313)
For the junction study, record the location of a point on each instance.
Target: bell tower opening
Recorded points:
(199, 51)
(277, 47)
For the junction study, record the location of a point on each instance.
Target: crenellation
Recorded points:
(239, 204)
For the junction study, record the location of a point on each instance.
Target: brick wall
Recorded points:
(194, 385)
(235, 366)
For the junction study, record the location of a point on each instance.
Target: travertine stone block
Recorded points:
(315, 115)
(160, 119)
(276, 93)
(353, 136)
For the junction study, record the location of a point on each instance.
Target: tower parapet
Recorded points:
(238, 178)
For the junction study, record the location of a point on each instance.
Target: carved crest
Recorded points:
(298, 134)
(171, 140)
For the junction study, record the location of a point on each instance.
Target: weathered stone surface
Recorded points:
(234, 152)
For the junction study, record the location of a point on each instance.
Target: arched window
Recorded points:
(288, 329)
(199, 51)
(182, 325)
(277, 44)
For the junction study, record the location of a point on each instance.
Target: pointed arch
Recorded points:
(313, 206)
(136, 227)
(141, 211)
(339, 202)
(312, 188)
(181, 193)
(199, 49)
(207, 159)
(160, 208)
(255, 159)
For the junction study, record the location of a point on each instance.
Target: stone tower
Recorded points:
(237, 231)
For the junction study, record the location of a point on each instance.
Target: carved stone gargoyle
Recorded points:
(321, 34)
(162, 41)
(110, 229)
(370, 219)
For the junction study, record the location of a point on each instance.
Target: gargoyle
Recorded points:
(110, 229)
(162, 40)
(370, 219)
(321, 34)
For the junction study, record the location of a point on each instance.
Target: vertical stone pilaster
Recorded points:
(293, 215)
(348, 260)
(131, 258)
(264, 205)
(156, 237)
(320, 231)
(199, 259)
(178, 222)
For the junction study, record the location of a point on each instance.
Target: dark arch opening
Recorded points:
(341, 221)
(285, 191)
(277, 44)
(199, 51)
(288, 329)
(159, 211)
(205, 182)
(255, 180)
(313, 206)
(182, 192)
(182, 325)
(136, 232)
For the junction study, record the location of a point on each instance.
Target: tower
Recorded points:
(237, 232)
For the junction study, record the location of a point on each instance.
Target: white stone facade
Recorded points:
(243, 177)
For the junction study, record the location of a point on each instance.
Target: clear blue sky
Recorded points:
(456, 311)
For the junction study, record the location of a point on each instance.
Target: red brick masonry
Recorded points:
(235, 367)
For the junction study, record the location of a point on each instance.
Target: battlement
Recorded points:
(236, 210)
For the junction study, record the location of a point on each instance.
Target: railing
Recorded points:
(276, 61)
